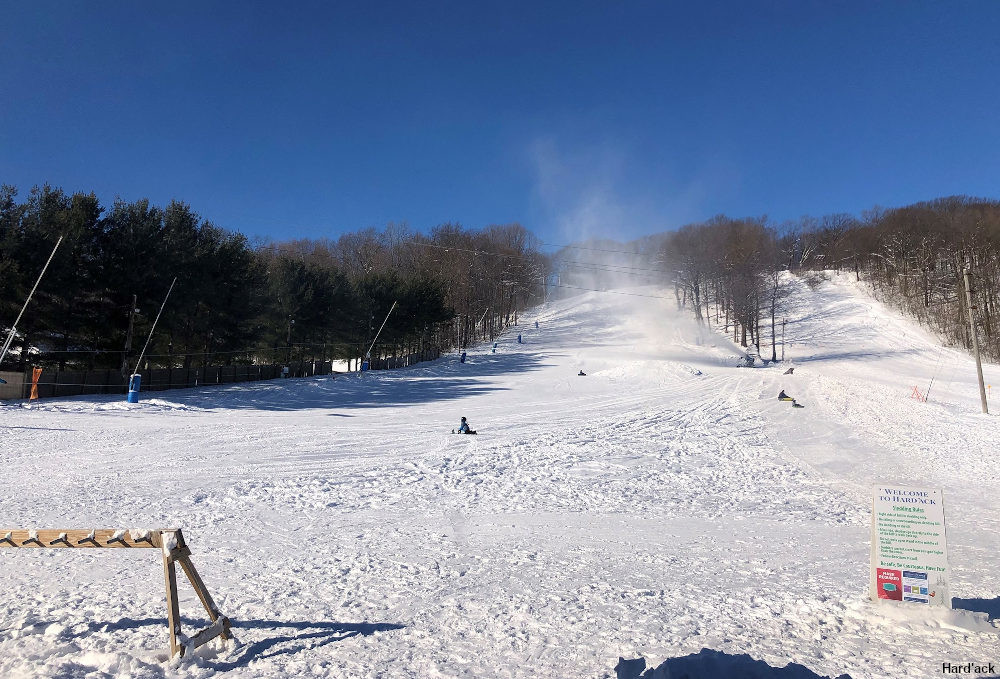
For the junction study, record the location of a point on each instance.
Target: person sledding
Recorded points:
(785, 397)
(464, 428)
(581, 374)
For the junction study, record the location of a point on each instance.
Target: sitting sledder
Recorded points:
(785, 397)
(464, 428)
(581, 374)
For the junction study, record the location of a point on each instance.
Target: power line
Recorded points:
(597, 266)
(598, 269)
(581, 247)
(549, 245)
(623, 267)
(211, 352)
(610, 292)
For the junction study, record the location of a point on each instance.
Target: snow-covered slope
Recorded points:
(662, 504)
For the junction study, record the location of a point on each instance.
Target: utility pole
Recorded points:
(128, 337)
(975, 335)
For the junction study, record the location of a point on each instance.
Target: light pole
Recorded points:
(967, 274)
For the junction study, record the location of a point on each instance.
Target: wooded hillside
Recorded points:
(242, 302)
(912, 257)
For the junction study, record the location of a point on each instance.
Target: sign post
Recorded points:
(909, 559)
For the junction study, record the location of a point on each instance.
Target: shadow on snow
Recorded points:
(300, 635)
(990, 607)
(440, 380)
(709, 664)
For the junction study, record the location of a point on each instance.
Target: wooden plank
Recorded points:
(173, 606)
(219, 628)
(80, 538)
(206, 599)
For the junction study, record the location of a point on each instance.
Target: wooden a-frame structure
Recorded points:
(171, 544)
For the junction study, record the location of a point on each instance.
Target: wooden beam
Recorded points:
(219, 628)
(173, 606)
(206, 599)
(80, 538)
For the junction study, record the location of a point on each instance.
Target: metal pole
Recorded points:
(13, 328)
(481, 318)
(380, 329)
(128, 336)
(153, 329)
(975, 336)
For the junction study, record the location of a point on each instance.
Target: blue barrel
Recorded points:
(462, 360)
(536, 325)
(364, 365)
(519, 338)
(133, 388)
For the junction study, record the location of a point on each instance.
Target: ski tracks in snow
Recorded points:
(662, 504)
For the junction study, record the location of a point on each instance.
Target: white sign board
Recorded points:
(909, 559)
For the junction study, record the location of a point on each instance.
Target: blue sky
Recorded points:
(576, 119)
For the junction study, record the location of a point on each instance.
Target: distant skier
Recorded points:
(464, 428)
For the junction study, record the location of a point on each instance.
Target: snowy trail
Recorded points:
(663, 504)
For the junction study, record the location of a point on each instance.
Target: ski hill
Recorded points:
(663, 504)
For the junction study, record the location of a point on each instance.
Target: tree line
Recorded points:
(729, 270)
(913, 257)
(241, 302)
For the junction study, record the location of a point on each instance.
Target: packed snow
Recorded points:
(663, 504)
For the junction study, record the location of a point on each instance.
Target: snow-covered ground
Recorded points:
(663, 504)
